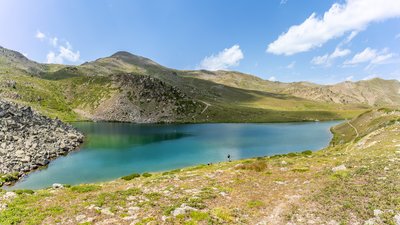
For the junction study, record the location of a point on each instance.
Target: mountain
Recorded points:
(373, 92)
(13, 61)
(130, 88)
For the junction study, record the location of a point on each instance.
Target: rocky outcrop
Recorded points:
(29, 140)
(145, 99)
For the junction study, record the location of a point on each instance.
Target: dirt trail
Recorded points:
(355, 129)
(205, 108)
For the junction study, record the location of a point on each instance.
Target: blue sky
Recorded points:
(285, 40)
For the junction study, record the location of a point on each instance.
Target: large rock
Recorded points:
(29, 140)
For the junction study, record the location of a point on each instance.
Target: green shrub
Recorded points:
(84, 188)
(199, 216)
(24, 191)
(255, 204)
(11, 177)
(308, 152)
(146, 174)
(131, 176)
(291, 154)
(301, 169)
(171, 172)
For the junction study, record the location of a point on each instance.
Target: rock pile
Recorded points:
(29, 140)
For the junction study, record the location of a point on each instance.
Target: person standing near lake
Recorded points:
(229, 157)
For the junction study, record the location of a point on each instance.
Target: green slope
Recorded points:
(94, 91)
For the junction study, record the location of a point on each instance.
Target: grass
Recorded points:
(85, 188)
(255, 204)
(256, 166)
(9, 177)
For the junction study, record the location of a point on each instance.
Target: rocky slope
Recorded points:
(29, 140)
(144, 99)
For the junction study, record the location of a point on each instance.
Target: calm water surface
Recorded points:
(112, 150)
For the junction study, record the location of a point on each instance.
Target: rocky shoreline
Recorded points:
(29, 140)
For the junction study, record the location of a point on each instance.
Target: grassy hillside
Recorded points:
(67, 98)
(354, 180)
(129, 88)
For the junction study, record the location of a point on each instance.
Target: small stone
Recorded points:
(106, 211)
(396, 219)
(182, 210)
(339, 168)
(79, 218)
(57, 186)
(9, 195)
(370, 222)
(377, 212)
(280, 182)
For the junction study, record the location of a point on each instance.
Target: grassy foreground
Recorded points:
(353, 181)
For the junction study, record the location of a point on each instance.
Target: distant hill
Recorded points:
(126, 87)
(373, 92)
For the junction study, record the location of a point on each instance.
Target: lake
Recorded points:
(112, 150)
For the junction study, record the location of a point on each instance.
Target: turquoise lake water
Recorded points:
(112, 150)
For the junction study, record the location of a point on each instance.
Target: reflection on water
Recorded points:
(113, 150)
(126, 141)
(119, 136)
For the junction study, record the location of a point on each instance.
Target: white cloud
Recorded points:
(68, 54)
(64, 53)
(291, 65)
(61, 52)
(39, 35)
(320, 60)
(327, 59)
(223, 60)
(340, 53)
(352, 35)
(371, 56)
(272, 78)
(53, 58)
(351, 16)
(349, 78)
(283, 2)
(25, 54)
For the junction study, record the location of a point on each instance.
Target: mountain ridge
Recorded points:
(111, 88)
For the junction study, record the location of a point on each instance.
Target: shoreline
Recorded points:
(272, 155)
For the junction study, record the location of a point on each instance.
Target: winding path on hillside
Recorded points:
(205, 108)
(357, 134)
(355, 129)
